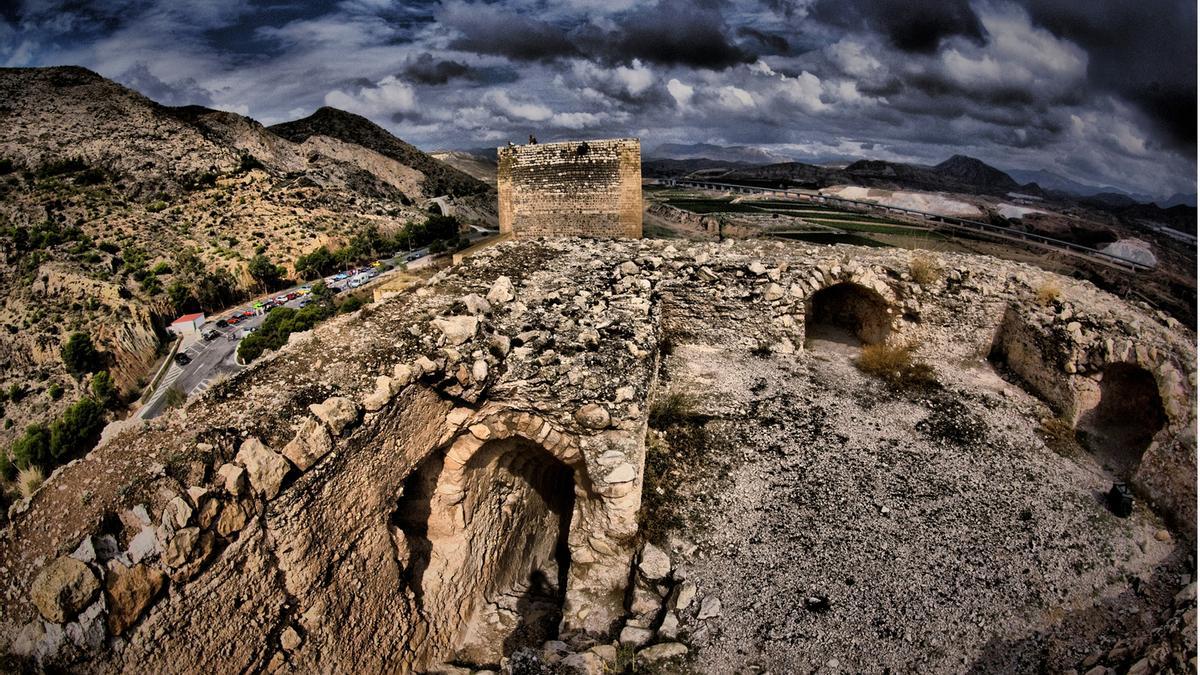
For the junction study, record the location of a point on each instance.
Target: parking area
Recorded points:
(205, 356)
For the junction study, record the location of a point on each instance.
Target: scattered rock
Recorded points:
(586, 663)
(338, 412)
(128, 591)
(1162, 535)
(662, 652)
(501, 291)
(632, 635)
(669, 629)
(654, 563)
(606, 652)
(289, 639)
(476, 304)
(710, 608)
(457, 329)
(266, 468)
(311, 443)
(683, 594)
(62, 588)
(232, 519)
(233, 479)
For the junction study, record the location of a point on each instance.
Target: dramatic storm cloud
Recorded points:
(1101, 92)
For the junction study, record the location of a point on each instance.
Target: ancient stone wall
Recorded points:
(573, 188)
(418, 482)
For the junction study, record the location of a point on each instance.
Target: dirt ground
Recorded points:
(846, 526)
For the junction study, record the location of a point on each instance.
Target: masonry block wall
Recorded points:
(573, 188)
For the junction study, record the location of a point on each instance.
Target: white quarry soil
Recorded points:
(942, 531)
(1015, 212)
(930, 202)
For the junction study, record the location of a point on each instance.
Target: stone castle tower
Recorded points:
(572, 188)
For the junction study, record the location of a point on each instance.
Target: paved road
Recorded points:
(211, 359)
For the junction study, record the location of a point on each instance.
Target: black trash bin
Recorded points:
(1120, 500)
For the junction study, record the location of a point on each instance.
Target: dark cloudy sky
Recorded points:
(1100, 91)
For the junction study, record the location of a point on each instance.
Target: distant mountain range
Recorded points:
(737, 153)
(960, 168)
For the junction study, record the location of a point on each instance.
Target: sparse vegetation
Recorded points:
(29, 480)
(676, 407)
(1048, 292)
(895, 365)
(174, 398)
(924, 269)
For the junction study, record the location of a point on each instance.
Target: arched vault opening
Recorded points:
(1124, 418)
(848, 312)
(484, 544)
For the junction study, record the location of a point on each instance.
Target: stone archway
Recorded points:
(483, 534)
(1119, 420)
(848, 312)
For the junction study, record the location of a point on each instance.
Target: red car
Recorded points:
(292, 296)
(233, 321)
(247, 314)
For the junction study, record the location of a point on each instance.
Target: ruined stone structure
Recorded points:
(573, 188)
(456, 473)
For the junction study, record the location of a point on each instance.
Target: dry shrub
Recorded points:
(29, 480)
(1059, 435)
(1048, 292)
(924, 269)
(894, 364)
(675, 408)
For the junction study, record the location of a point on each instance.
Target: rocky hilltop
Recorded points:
(581, 455)
(117, 212)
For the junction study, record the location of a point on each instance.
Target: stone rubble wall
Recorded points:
(277, 542)
(574, 188)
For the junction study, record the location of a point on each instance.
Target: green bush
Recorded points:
(77, 430)
(156, 206)
(266, 273)
(350, 305)
(55, 390)
(32, 448)
(279, 324)
(104, 389)
(80, 355)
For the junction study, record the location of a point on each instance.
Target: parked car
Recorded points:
(222, 323)
(413, 256)
(233, 321)
(247, 314)
(305, 302)
(292, 296)
(209, 335)
(182, 359)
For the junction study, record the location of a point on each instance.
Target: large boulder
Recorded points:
(338, 412)
(266, 468)
(457, 329)
(501, 291)
(62, 588)
(310, 444)
(129, 591)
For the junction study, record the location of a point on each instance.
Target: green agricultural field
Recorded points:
(712, 206)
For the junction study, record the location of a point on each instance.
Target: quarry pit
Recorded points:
(646, 454)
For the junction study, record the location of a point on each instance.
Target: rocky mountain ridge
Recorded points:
(117, 212)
